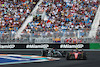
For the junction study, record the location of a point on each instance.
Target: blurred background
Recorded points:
(49, 21)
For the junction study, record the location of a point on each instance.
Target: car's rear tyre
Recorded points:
(68, 56)
(84, 56)
(64, 54)
(44, 53)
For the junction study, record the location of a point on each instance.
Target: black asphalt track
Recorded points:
(92, 61)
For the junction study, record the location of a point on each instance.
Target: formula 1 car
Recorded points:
(51, 52)
(76, 54)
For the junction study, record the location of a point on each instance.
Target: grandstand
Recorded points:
(49, 21)
(12, 15)
(98, 34)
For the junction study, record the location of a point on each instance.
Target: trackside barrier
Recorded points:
(59, 46)
(94, 45)
(45, 45)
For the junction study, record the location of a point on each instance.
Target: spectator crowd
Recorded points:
(13, 14)
(65, 16)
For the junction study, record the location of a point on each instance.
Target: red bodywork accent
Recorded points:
(76, 54)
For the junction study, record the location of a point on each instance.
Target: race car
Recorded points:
(76, 54)
(51, 52)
